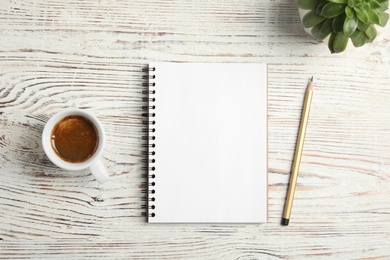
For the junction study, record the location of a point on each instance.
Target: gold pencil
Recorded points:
(298, 154)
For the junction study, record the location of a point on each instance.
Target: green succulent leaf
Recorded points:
(311, 19)
(371, 33)
(362, 15)
(331, 10)
(309, 4)
(340, 42)
(350, 25)
(374, 17)
(352, 3)
(374, 4)
(362, 26)
(358, 10)
(315, 31)
(383, 19)
(384, 6)
(322, 30)
(339, 1)
(320, 7)
(331, 42)
(358, 38)
(349, 12)
(338, 23)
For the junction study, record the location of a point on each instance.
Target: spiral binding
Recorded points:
(151, 145)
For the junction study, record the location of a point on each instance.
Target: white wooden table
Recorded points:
(90, 54)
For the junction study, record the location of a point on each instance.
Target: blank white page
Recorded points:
(210, 162)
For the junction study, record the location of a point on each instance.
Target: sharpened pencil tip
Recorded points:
(310, 85)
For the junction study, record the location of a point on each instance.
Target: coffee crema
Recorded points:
(74, 139)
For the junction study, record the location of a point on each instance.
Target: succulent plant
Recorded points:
(342, 20)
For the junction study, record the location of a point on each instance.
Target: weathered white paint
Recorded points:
(90, 54)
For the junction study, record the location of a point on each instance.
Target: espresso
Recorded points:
(74, 139)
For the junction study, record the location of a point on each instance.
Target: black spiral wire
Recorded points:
(151, 143)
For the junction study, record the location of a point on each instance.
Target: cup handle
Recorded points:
(99, 171)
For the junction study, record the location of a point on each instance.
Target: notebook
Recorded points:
(207, 143)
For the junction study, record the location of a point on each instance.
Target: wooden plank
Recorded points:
(91, 54)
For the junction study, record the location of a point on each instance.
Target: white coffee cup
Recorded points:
(93, 162)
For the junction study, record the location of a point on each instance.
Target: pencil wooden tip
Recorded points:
(310, 85)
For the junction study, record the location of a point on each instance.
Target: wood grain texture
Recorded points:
(91, 54)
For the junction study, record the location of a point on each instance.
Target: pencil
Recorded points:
(298, 154)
